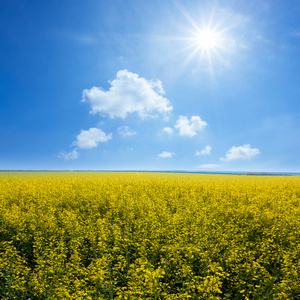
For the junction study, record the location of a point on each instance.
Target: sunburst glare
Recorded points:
(208, 41)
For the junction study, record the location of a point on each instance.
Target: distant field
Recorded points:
(101, 235)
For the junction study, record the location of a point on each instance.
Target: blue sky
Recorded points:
(150, 85)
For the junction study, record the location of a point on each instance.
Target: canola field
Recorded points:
(101, 235)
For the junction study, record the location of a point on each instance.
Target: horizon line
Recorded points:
(159, 171)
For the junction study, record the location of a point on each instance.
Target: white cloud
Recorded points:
(128, 93)
(165, 154)
(126, 131)
(205, 151)
(241, 152)
(189, 128)
(168, 130)
(69, 155)
(91, 138)
(208, 166)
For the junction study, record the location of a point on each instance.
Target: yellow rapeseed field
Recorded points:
(93, 235)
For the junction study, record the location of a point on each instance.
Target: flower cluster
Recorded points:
(149, 236)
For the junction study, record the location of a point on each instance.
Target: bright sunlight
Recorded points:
(209, 44)
(207, 39)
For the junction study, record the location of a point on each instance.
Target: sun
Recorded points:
(207, 39)
(208, 44)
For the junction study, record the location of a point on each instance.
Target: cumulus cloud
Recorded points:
(91, 138)
(168, 130)
(165, 154)
(69, 155)
(126, 131)
(205, 151)
(189, 127)
(241, 152)
(128, 93)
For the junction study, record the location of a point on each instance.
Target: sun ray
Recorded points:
(208, 40)
(186, 14)
(190, 57)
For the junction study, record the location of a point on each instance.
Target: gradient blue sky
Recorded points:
(113, 85)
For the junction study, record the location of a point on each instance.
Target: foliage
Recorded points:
(149, 236)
